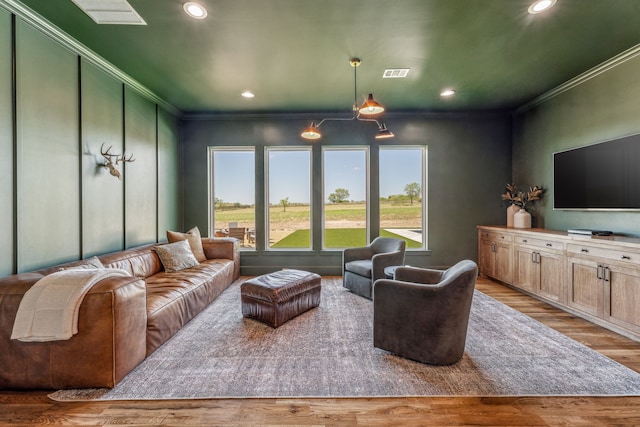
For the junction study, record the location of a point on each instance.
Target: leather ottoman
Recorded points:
(277, 297)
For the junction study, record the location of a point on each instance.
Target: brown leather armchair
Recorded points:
(363, 266)
(423, 314)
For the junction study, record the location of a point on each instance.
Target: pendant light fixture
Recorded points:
(371, 107)
(312, 132)
(383, 132)
(369, 111)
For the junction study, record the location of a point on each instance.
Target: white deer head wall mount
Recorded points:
(112, 160)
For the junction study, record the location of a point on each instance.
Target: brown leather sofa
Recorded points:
(122, 319)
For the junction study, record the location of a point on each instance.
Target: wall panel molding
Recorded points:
(48, 207)
(7, 144)
(90, 56)
(56, 109)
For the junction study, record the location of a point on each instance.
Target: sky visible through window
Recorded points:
(399, 167)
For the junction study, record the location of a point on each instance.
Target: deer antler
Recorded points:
(113, 160)
(106, 154)
(123, 158)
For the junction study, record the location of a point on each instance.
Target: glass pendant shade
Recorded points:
(311, 133)
(371, 107)
(384, 133)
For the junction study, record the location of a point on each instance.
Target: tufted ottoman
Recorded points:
(277, 297)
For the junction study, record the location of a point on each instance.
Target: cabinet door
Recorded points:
(504, 262)
(487, 258)
(623, 308)
(586, 289)
(525, 276)
(550, 275)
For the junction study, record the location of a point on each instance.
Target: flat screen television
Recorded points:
(604, 176)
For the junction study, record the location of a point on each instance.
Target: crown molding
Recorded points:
(46, 27)
(422, 114)
(581, 78)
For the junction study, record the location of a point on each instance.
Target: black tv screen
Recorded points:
(604, 176)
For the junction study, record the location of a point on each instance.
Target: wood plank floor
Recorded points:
(34, 408)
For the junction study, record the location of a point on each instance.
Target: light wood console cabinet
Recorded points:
(496, 254)
(597, 278)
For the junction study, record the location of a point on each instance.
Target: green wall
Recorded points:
(6, 147)
(58, 203)
(47, 153)
(469, 162)
(601, 108)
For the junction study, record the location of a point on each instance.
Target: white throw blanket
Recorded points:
(49, 309)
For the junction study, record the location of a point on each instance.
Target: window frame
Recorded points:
(424, 158)
(267, 180)
(367, 164)
(211, 150)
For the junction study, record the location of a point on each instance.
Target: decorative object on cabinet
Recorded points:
(513, 208)
(511, 211)
(522, 219)
(112, 160)
(520, 200)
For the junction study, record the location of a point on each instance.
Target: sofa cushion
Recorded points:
(194, 239)
(89, 263)
(142, 261)
(361, 267)
(176, 256)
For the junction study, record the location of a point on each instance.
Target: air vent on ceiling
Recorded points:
(117, 12)
(395, 73)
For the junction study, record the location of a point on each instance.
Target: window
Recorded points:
(403, 194)
(288, 197)
(345, 197)
(232, 200)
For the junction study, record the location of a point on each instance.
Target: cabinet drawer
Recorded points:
(607, 254)
(498, 237)
(539, 243)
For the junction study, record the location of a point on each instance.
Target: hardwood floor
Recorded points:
(34, 408)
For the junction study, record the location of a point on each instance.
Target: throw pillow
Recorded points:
(193, 237)
(176, 256)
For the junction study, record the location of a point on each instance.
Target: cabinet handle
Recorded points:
(586, 251)
(524, 241)
(625, 257)
(599, 272)
(607, 274)
(549, 245)
(533, 257)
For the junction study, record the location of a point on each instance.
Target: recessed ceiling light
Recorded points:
(541, 6)
(447, 92)
(194, 10)
(248, 94)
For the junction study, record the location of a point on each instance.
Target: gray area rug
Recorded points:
(328, 352)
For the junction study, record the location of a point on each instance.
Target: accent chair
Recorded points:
(423, 314)
(364, 265)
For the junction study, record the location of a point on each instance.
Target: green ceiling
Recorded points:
(294, 53)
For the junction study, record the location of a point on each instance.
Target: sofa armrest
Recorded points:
(110, 342)
(382, 260)
(418, 275)
(223, 248)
